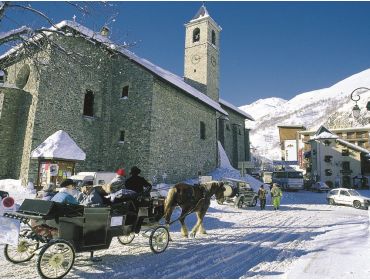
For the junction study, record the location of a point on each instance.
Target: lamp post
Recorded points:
(222, 117)
(355, 96)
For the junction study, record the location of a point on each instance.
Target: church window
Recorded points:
(2, 76)
(239, 131)
(124, 93)
(195, 70)
(202, 130)
(121, 136)
(213, 37)
(227, 126)
(196, 35)
(89, 104)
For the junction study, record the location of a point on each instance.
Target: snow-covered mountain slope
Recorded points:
(262, 107)
(331, 106)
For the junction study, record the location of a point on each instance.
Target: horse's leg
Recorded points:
(201, 227)
(184, 229)
(200, 216)
(167, 217)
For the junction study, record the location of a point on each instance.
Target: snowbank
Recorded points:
(17, 191)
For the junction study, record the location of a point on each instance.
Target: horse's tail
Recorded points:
(169, 203)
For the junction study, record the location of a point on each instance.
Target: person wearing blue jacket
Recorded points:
(65, 193)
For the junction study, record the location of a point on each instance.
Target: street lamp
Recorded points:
(356, 109)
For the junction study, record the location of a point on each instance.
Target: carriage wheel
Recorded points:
(126, 239)
(24, 251)
(56, 259)
(158, 239)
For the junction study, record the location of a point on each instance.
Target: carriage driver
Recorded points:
(136, 182)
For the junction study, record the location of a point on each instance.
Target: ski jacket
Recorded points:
(262, 194)
(276, 192)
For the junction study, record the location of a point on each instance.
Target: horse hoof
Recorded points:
(192, 235)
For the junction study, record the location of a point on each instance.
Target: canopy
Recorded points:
(59, 146)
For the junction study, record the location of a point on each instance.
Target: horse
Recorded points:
(192, 199)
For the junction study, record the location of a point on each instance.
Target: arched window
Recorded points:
(124, 93)
(89, 104)
(196, 35)
(213, 37)
(2, 76)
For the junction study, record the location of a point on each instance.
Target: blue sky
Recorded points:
(268, 49)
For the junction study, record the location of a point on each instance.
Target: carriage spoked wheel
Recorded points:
(158, 239)
(126, 239)
(240, 202)
(56, 259)
(24, 251)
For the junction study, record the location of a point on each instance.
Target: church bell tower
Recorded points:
(202, 45)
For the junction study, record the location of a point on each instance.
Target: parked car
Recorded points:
(350, 197)
(240, 193)
(320, 187)
(92, 178)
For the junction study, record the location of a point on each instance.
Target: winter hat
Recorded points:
(121, 172)
(67, 182)
(135, 170)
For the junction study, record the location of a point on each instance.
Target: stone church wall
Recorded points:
(176, 147)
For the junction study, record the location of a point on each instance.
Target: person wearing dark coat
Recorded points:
(262, 197)
(135, 182)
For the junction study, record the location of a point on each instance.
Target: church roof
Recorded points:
(160, 72)
(59, 146)
(236, 109)
(202, 12)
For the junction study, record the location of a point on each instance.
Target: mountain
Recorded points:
(330, 106)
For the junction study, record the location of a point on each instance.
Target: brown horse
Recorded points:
(192, 199)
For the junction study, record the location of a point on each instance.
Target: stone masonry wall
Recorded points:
(176, 147)
(234, 125)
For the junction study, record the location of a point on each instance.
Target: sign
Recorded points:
(283, 162)
(9, 231)
(291, 150)
(54, 169)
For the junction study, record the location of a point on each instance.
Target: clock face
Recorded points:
(213, 60)
(195, 58)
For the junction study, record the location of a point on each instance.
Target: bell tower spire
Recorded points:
(202, 45)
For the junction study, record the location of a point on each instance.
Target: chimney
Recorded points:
(104, 31)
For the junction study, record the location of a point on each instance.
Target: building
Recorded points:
(121, 110)
(336, 161)
(289, 142)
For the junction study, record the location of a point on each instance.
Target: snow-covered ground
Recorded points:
(305, 239)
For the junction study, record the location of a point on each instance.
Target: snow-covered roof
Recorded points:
(160, 72)
(324, 133)
(236, 109)
(202, 12)
(59, 146)
(353, 146)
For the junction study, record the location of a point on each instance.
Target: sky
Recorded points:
(267, 49)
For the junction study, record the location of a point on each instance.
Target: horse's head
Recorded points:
(219, 190)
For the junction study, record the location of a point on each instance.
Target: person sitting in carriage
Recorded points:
(134, 187)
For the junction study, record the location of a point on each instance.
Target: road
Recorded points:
(298, 241)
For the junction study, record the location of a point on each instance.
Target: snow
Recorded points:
(325, 135)
(236, 109)
(59, 146)
(310, 109)
(167, 75)
(16, 190)
(306, 238)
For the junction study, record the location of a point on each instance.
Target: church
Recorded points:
(120, 109)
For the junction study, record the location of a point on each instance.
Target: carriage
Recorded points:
(55, 231)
